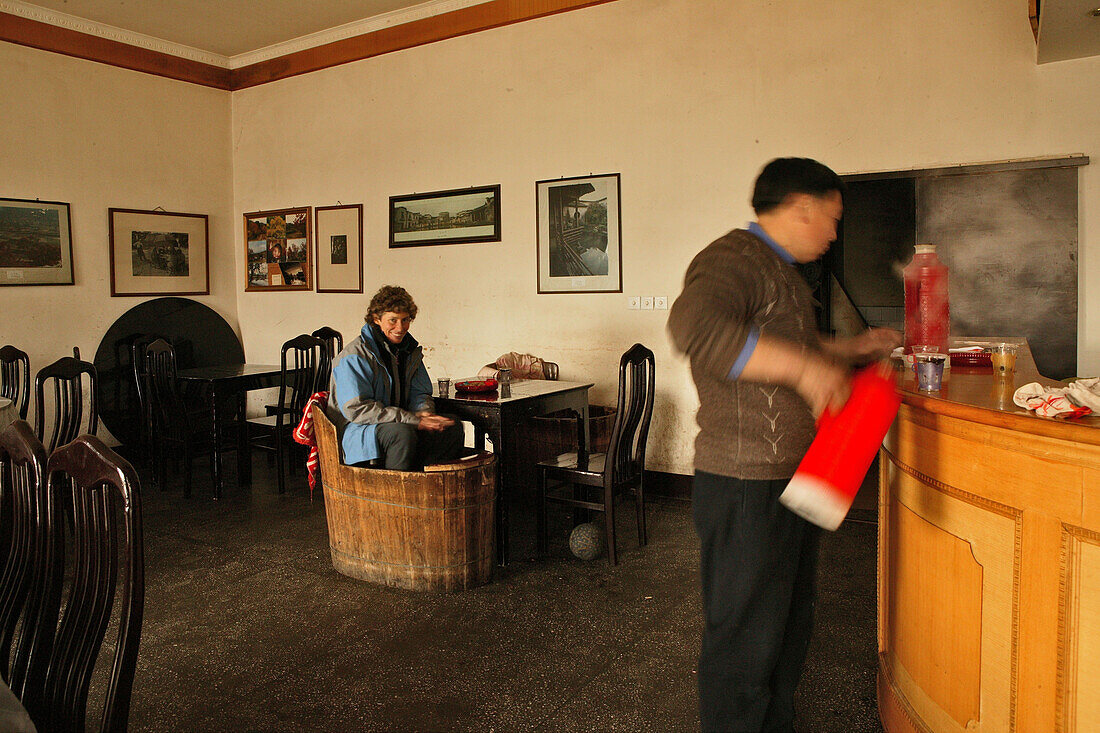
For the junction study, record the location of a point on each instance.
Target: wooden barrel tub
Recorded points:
(419, 530)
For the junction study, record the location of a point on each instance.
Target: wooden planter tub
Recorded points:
(420, 530)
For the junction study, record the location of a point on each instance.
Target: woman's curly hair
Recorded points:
(390, 299)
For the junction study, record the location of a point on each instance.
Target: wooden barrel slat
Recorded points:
(430, 530)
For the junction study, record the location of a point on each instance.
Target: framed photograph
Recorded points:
(580, 249)
(339, 256)
(36, 243)
(279, 250)
(159, 253)
(445, 217)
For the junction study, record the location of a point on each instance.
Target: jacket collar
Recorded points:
(368, 333)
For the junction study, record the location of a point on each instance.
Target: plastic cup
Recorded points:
(1003, 357)
(929, 368)
(444, 386)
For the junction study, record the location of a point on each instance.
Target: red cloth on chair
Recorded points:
(304, 434)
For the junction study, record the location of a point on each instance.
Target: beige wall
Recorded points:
(97, 137)
(685, 98)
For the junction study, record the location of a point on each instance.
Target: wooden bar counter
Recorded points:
(989, 561)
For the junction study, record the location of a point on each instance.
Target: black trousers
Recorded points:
(405, 448)
(758, 564)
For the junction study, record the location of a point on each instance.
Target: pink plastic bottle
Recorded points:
(927, 313)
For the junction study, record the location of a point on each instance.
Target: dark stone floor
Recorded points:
(248, 627)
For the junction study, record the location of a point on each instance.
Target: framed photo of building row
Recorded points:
(158, 253)
(36, 243)
(458, 216)
(279, 247)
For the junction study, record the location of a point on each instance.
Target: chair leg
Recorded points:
(609, 525)
(639, 498)
(540, 517)
(280, 463)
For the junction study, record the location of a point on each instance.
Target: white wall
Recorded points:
(97, 137)
(686, 99)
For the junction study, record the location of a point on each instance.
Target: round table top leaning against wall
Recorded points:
(8, 413)
(989, 560)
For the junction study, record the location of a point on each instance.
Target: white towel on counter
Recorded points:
(1075, 400)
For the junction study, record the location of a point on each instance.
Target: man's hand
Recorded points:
(433, 423)
(823, 384)
(871, 345)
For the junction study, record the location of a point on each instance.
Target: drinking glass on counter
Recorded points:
(1003, 357)
(444, 386)
(929, 366)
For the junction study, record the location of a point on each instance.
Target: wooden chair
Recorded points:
(334, 344)
(100, 562)
(332, 338)
(140, 375)
(171, 420)
(550, 370)
(15, 378)
(303, 363)
(592, 481)
(66, 376)
(24, 603)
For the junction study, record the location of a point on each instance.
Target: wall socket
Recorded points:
(633, 302)
(647, 302)
(660, 302)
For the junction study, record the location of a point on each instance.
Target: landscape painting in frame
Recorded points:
(36, 246)
(445, 217)
(579, 242)
(158, 253)
(278, 249)
(339, 254)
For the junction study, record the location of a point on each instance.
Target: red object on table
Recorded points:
(487, 384)
(825, 484)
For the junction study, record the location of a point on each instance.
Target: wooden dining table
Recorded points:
(219, 383)
(503, 420)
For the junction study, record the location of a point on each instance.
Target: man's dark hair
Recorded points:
(785, 176)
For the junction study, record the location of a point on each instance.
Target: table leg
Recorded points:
(494, 434)
(216, 449)
(244, 458)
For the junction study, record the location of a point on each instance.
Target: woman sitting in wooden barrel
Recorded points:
(380, 397)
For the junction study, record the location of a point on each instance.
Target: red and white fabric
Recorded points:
(304, 435)
(1061, 402)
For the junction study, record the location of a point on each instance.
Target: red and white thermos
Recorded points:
(825, 484)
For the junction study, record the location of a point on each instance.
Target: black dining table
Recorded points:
(219, 383)
(503, 420)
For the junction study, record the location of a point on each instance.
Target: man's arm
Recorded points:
(871, 345)
(815, 378)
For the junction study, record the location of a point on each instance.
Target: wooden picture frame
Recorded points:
(36, 243)
(278, 250)
(158, 253)
(580, 246)
(338, 234)
(458, 216)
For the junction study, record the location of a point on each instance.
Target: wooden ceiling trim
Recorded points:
(461, 22)
(33, 33)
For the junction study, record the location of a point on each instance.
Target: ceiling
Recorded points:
(231, 30)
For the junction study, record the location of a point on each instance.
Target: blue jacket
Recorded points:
(360, 389)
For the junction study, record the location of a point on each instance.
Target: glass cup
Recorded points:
(1003, 357)
(929, 368)
(444, 386)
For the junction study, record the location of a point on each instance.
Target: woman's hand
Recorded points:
(433, 423)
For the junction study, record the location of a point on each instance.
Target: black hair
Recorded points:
(785, 176)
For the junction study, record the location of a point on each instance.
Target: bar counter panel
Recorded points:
(989, 561)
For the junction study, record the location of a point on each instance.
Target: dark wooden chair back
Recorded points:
(15, 378)
(332, 338)
(305, 369)
(140, 374)
(626, 447)
(66, 378)
(25, 604)
(102, 561)
(166, 408)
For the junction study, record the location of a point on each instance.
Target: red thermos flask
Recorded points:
(825, 484)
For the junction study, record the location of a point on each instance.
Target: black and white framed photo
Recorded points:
(459, 216)
(158, 253)
(339, 257)
(36, 243)
(579, 242)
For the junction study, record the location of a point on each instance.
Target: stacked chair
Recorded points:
(15, 378)
(65, 379)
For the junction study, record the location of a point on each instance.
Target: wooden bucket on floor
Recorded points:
(420, 530)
